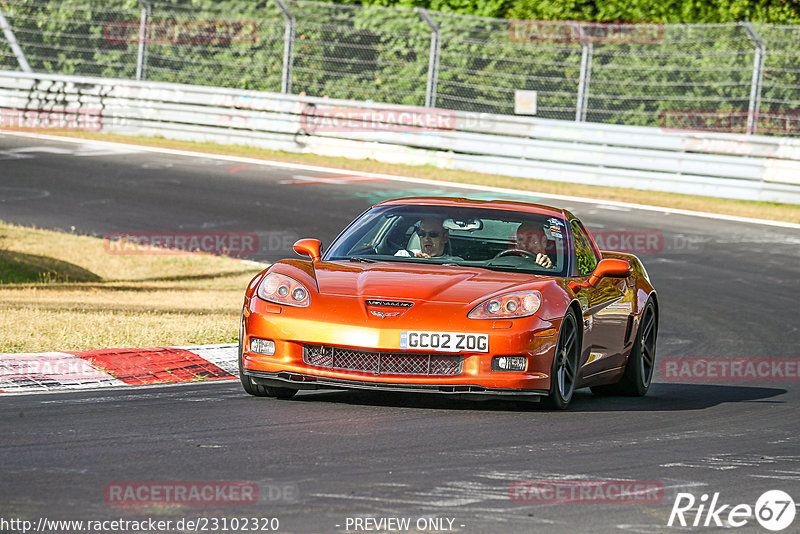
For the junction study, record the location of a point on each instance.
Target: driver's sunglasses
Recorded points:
(423, 233)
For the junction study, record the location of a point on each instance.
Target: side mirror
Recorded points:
(309, 247)
(610, 268)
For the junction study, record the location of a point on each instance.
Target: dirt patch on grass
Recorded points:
(62, 291)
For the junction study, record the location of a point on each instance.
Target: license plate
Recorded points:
(444, 341)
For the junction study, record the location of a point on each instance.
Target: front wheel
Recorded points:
(565, 363)
(641, 363)
(247, 382)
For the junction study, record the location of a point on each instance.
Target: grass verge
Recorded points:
(66, 292)
(741, 208)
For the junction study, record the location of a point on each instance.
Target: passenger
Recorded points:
(433, 240)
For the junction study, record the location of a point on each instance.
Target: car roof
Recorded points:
(514, 205)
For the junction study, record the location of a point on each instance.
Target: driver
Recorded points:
(531, 238)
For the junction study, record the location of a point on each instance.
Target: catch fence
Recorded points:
(738, 78)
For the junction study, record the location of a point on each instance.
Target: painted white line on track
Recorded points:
(133, 390)
(337, 179)
(439, 183)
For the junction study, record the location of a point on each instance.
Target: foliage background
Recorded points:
(701, 61)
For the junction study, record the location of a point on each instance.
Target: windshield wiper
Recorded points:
(360, 259)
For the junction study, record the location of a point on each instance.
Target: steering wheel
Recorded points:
(515, 252)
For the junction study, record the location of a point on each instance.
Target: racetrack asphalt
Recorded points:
(727, 290)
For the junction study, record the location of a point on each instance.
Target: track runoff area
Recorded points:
(710, 445)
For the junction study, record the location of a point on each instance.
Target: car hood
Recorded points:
(411, 281)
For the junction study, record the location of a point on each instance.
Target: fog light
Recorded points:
(262, 346)
(508, 363)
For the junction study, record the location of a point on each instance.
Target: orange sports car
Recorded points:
(453, 296)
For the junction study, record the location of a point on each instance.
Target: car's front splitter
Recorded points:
(302, 381)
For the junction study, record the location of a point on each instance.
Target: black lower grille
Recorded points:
(382, 363)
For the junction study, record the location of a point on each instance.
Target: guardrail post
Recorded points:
(758, 76)
(288, 47)
(433, 57)
(585, 79)
(144, 36)
(12, 41)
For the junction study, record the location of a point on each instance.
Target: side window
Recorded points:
(585, 260)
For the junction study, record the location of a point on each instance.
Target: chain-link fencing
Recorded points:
(723, 77)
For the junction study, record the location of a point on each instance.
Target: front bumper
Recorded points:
(291, 329)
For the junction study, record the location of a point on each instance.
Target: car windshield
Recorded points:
(497, 239)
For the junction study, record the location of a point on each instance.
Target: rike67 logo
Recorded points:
(774, 510)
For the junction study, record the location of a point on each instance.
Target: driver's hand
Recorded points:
(543, 260)
(422, 255)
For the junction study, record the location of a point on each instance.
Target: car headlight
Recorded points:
(508, 306)
(282, 289)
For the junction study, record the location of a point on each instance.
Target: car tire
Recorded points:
(565, 363)
(641, 363)
(247, 382)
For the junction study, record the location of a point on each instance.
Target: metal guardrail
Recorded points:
(748, 167)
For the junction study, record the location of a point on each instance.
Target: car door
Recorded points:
(605, 308)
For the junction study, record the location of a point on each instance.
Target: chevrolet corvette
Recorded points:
(498, 299)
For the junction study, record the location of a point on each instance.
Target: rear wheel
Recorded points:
(565, 363)
(641, 363)
(255, 389)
